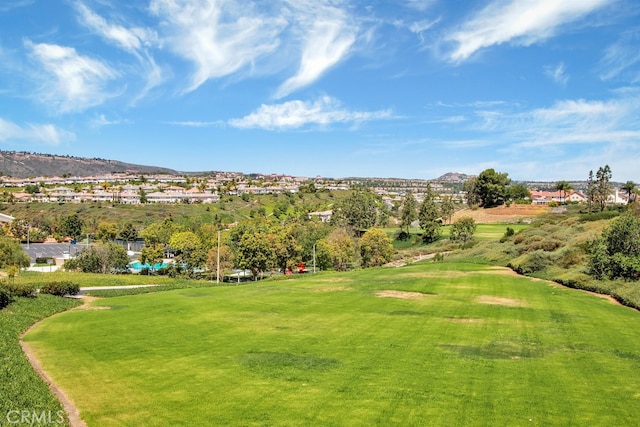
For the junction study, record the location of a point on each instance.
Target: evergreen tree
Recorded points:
(429, 217)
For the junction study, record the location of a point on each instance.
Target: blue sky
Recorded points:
(540, 89)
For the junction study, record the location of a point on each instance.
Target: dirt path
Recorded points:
(70, 408)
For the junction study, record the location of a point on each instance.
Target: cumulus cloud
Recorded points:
(45, 133)
(219, 38)
(328, 35)
(520, 22)
(296, 114)
(72, 82)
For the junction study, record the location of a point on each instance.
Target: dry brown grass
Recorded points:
(500, 214)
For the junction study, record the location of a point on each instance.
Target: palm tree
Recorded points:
(564, 187)
(629, 187)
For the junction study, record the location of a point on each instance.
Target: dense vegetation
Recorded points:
(20, 387)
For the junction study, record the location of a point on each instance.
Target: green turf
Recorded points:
(479, 347)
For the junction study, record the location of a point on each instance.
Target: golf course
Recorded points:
(431, 343)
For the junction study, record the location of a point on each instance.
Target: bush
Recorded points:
(5, 298)
(60, 288)
(462, 229)
(16, 290)
(535, 261)
(510, 232)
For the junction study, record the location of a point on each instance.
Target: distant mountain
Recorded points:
(453, 177)
(19, 164)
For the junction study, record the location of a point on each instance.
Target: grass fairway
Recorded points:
(426, 344)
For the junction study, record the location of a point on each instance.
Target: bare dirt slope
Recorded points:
(501, 214)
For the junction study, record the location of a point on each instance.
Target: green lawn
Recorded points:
(475, 347)
(484, 232)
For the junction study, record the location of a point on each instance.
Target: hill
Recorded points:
(24, 165)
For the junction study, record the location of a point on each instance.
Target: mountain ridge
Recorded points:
(22, 164)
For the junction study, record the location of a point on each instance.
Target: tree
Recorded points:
(159, 232)
(71, 226)
(628, 187)
(591, 191)
(563, 187)
(100, 258)
(471, 192)
(128, 232)
(408, 212)
(337, 250)
(447, 208)
(603, 186)
(107, 231)
(429, 217)
(11, 253)
(286, 249)
(358, 211)
(518, 192)
(616, 254)
(19, 229)
(152, 254)
(462, 229)
(491, 188)
(376, 248)
(226, 260)
(255, 252)
(188, 250)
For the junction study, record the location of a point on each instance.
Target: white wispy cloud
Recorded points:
(135, 40)
(567, 122)
(44, 133)
(8, 5)
(622, 58)
(557, 73)
(130, 39)
(419, 5)
(520, 22)
(328, 35)
(102, 120)
(219, 37)
(296, 114)
(199, 124)
(71, 82)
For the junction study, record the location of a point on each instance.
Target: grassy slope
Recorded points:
(553, 248)
(231, 209)
(324, 350)
(20, 387)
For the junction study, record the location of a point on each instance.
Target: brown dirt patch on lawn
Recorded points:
(464, 319)
(507, 302)
(331, 289)
(400, 294)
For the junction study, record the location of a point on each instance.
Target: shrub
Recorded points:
(462, 229)
(535, 261)
(510, 232)
(616, 254)
(60, 288)
(16, 290)
(5, 298)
